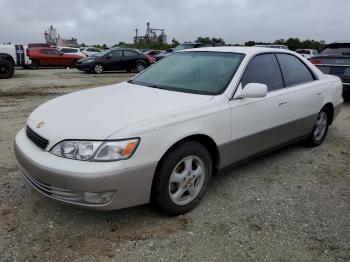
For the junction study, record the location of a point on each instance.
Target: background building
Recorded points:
(153, 35)
(54, 39)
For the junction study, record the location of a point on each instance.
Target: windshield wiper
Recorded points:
(146, 84)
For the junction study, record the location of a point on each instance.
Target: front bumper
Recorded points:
(83, 66)
(69, 181)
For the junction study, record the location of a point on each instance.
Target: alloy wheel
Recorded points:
(98, 69)
(320, 126)
(186, 180)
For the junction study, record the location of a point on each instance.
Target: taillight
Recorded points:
(315, 62)
(150, 59)
(27, 52)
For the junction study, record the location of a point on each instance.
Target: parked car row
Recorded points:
(334, 59)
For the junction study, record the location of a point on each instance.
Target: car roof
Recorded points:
(43, 47)
(123, 49)
(240, 49)
(67, 47)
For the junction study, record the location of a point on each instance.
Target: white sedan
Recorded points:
(90, 51)
(160, 136)
(71, 50)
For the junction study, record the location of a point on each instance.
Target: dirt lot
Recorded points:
(291, 205)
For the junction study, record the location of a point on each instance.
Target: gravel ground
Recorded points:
(290, 205)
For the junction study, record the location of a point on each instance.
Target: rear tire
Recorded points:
(182, 178)
(6, 69)
(35, 64)
(97, 68)
(320, 129)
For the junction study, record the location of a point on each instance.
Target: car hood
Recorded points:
(100, 112)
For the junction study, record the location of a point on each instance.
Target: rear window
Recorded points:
(294, 71)
(129, 53)
(337, 49)
(68, 50)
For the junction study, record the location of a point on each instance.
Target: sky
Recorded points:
(236, 21)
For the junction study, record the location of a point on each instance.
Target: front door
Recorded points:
(113, 60)
(259, 124)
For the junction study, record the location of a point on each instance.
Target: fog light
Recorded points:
(98, 198)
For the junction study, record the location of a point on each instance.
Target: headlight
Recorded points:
(89, 60)
(96, 150)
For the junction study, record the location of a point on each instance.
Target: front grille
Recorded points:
(36, 139)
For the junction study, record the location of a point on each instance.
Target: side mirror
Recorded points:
(252, 90)
(108, 56)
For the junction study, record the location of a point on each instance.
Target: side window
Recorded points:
(264, 69)
(43, 51)
(55, 52)
(130, 54)
(116, 54)
(294, 71)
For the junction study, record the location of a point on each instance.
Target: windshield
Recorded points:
(183, 47)
(304, 52)
(102, 53)
(206, 73)
(337, 49)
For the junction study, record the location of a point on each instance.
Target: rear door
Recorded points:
(259, 124)
(306, 93)
(129, 59)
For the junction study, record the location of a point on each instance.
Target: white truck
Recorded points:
(11, 56)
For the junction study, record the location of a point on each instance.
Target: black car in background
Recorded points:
(182, 47)
(115, 59)
(335, 60)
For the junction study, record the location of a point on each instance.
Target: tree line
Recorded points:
(292, 43)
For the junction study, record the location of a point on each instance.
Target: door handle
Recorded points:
(282, 103)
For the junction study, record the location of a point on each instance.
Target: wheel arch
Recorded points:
(204, 140)
(329, 106)
(8, 58)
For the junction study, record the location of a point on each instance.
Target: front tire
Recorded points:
(320, 129)
(73, 64)
(97, 68)
(182, 178)
(140, 66)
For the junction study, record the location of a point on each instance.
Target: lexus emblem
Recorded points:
(40, 124)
